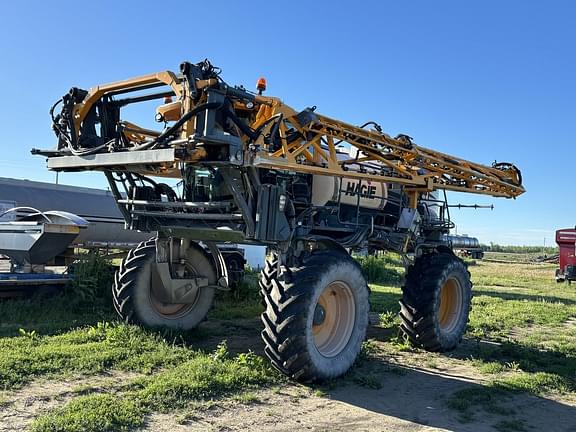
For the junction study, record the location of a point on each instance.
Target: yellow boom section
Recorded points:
(379, 157)
(316, 147)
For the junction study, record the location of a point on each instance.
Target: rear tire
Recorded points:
(436, 302)
(316, 315)
(133, 290)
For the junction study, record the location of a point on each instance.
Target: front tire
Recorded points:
(133, 290)
(436, 302)
(316, 315)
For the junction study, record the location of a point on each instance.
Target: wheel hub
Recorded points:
(170, 310)
(319, 315)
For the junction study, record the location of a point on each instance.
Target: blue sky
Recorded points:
(490, 80)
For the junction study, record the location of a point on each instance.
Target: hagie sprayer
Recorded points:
(252, 170)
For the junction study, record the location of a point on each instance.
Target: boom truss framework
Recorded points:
(392, 160)
(309, 142)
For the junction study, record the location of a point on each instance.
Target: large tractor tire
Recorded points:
(133, 290)
(436, 301)
(316, 315)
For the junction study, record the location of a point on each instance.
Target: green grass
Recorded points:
(385, 274)
(495, 398)
(512, 257)
(85, 302)
(93, 413)
(94, 275)
(521, 307)
(521, 250)
(538, 278)
(4, 401)
(508, 296)
(521, 356)
(558, 338)
(537, 383)
(505, 296)
(389, 319)
(384, 301)
(66, 336)
(488, 398)
(203, 377)
(489, 367)
(243, 302)
(493, 317)
(87, 350)
(246, 398)
(49, 316)
(529, 322)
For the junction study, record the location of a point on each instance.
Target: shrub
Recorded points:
(93, 278)
(381, 269)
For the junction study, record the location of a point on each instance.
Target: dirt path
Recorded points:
(414, 389)
(391, 391)
(412, 402)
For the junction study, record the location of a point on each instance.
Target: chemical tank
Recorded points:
(367, 194)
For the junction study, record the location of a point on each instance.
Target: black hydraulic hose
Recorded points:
(64, 136)
(145, 179)
(56, 127)
(276, 126)
(185, 118)
(52, 108)
(260, 128)
(242, 126)
(373, 123)
(89, 151)
(160, 138)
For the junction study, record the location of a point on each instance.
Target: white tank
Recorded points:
(367, 193)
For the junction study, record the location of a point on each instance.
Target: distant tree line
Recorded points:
(493, 247)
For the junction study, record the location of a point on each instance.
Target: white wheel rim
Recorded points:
(337, 309)
(450, 305)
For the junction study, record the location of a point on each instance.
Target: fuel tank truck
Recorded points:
(465, 245)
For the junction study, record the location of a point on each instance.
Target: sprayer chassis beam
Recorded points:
(110, 160)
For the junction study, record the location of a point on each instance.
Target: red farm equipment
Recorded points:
(566, 239)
